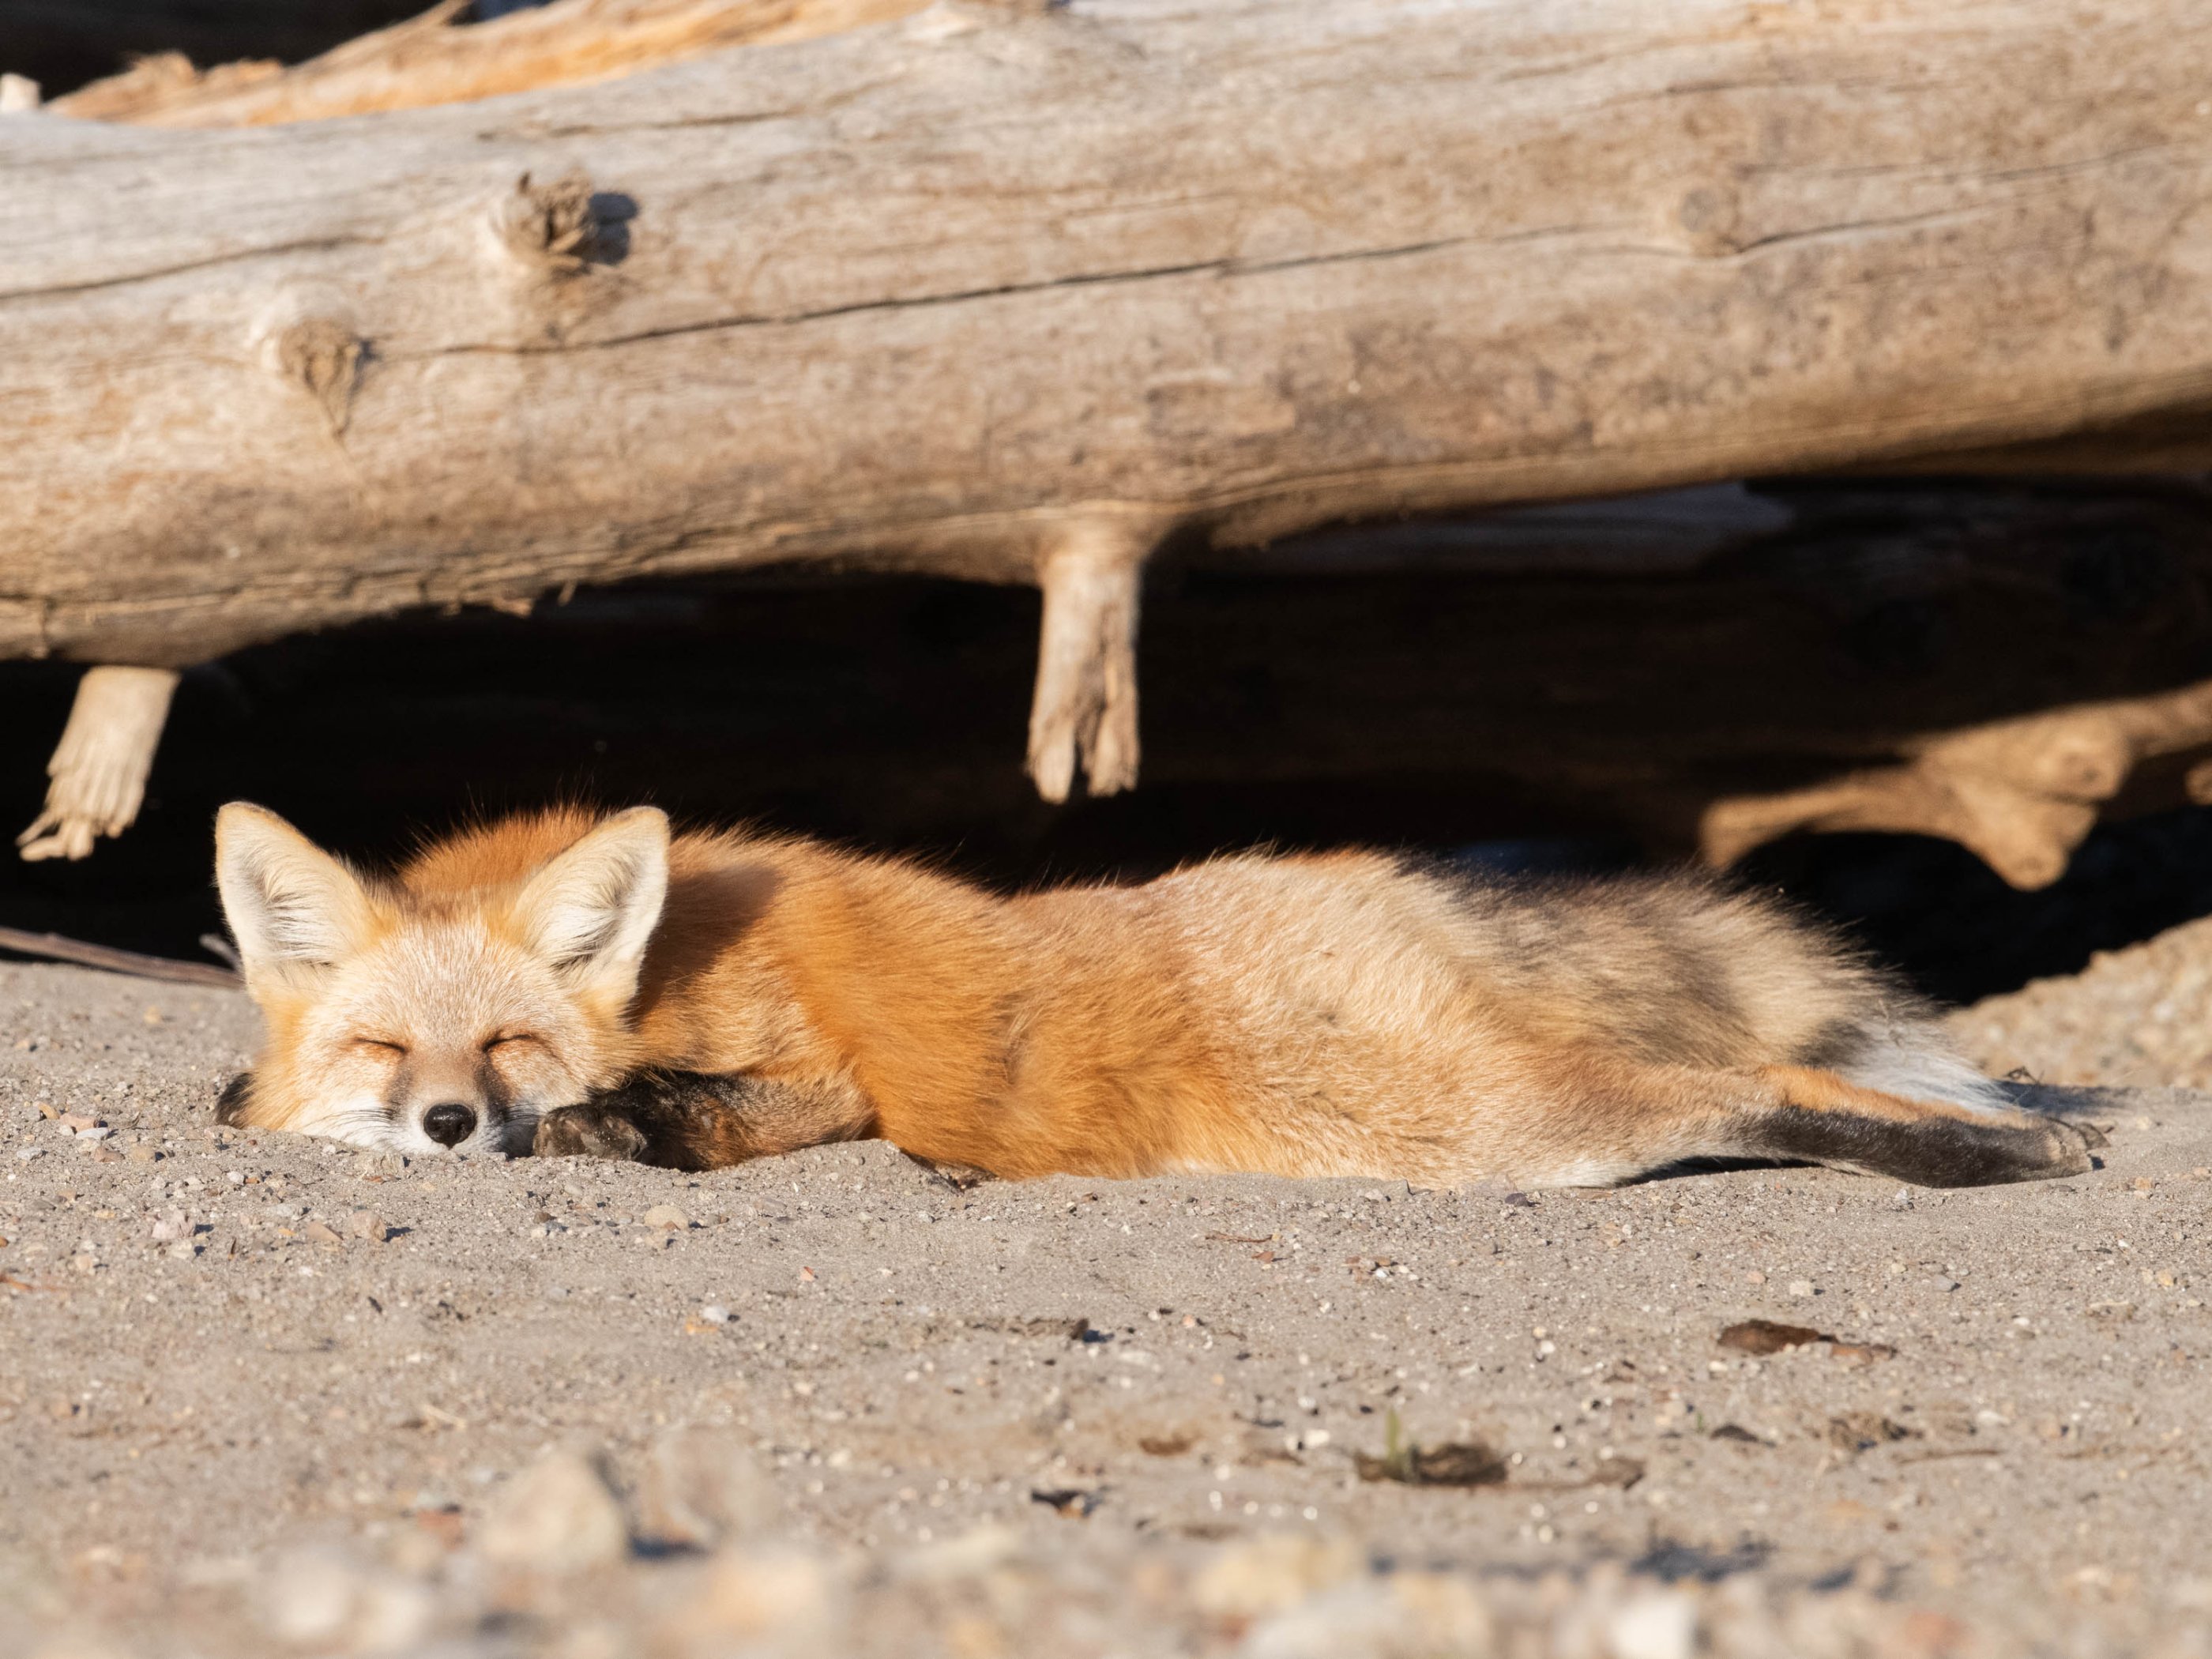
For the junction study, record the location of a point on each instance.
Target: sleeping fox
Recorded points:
(565, 983)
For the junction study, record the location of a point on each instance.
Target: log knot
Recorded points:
(1708, 220)
(324, 355)
(553, 229)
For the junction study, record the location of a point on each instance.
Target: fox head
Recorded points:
(441, 1020)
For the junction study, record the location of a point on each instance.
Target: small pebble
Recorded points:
(556, 1517)
(713, 1313)
(1801, 1287)
(668, 1215)
(1656, 1624)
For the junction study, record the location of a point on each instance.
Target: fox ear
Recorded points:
(591, 909)
(289, 904)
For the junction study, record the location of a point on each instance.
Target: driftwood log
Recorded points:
(1026, 297)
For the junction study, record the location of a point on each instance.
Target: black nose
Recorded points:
(449, 1125)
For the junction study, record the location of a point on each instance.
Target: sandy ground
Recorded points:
(2133, 1016)
(262, 1394)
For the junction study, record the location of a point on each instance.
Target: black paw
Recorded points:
(2071, 1145)
(587, 1132)
(237, 1095)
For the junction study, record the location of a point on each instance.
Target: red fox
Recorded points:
(564, 983)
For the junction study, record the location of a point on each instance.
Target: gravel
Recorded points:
(831, 1403)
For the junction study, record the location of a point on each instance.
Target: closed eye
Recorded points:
(383, 1044)
(507, 1037)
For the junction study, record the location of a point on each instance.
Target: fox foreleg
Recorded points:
(695, 1121)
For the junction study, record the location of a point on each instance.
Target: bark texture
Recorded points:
(1019, 294)
(925, 295)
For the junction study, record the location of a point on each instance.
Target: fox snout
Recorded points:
(450, 1124)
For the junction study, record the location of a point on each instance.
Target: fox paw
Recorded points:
(587, 1132)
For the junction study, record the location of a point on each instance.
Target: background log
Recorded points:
(1582, 681)
(64, 44)
(446, 56)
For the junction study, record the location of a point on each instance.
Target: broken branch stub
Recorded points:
(1085, 705)
(2020, 794)
(100, 767)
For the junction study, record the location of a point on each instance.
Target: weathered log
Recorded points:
(825, 308)
(926, 295)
